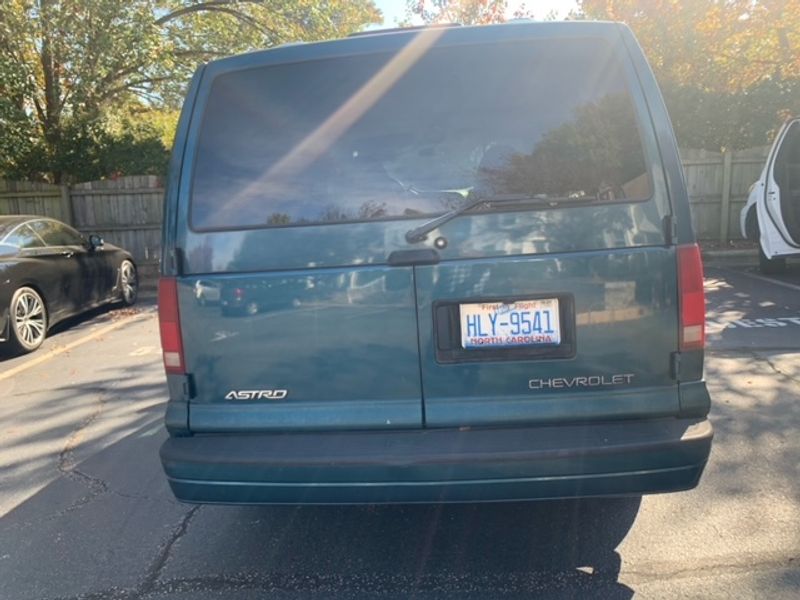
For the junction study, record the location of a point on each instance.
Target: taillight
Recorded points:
(170, 325)
(692, 298)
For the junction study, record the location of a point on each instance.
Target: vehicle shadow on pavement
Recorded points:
(106, 521)
(563, 549)
(121, 514)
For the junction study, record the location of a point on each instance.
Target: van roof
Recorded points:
(391, 40)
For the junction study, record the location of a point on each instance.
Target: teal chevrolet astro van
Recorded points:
(449, 265)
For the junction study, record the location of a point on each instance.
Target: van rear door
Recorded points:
(312, 328)
(607, 321)
(308, 349)
(555, 300)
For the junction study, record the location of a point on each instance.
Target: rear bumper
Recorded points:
(634, 457)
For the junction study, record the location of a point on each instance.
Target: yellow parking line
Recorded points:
(56, 351)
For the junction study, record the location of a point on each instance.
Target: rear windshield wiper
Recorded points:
(418, 233)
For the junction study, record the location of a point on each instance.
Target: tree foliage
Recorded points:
(17, 129)
(729, 69)
(68, 68)
(715, 120)
(718, 45)
(464, 12)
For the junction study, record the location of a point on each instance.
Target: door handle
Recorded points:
(68, 253)
(407, 258)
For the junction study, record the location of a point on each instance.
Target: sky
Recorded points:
(395, 10)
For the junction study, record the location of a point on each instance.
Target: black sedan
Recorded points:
(49, 271)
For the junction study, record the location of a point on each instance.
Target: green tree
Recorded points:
(17, 128)
(719, 45)
(729, 69)
(66, 68)
(464, 12)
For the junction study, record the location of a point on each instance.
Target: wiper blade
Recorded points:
(418, 233)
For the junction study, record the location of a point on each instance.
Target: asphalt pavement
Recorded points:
(85, 511)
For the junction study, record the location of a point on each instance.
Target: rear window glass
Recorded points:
(326, 141)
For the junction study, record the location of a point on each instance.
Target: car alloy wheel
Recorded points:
(128, 282)
(28, 319)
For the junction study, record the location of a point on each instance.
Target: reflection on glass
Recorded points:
(542, 118)
(597, 153)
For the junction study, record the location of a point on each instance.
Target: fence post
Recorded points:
(725, 206)
(67, 209)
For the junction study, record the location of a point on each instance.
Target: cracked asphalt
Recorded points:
(85, 511)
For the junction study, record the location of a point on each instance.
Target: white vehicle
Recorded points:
(772, 213)
(206, 292)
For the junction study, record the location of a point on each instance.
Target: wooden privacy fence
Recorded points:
(127, 211)
(718, 184)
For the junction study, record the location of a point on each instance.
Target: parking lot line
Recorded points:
(785, 284)
(39, 359)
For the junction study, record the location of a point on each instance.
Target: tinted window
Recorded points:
(313, 142)
(787, 162)
(57, 234)
(23, 237)
(787, 176)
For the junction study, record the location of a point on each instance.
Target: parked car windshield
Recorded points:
(307, 143)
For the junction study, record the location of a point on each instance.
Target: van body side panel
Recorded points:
(669, 158)
(176, 418)
(170, 227)
(675, 186)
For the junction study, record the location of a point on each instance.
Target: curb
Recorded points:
(734, 253)
(748, 257)
(148, 278)
(147, 295)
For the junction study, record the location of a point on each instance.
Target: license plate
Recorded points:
(510, 324)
